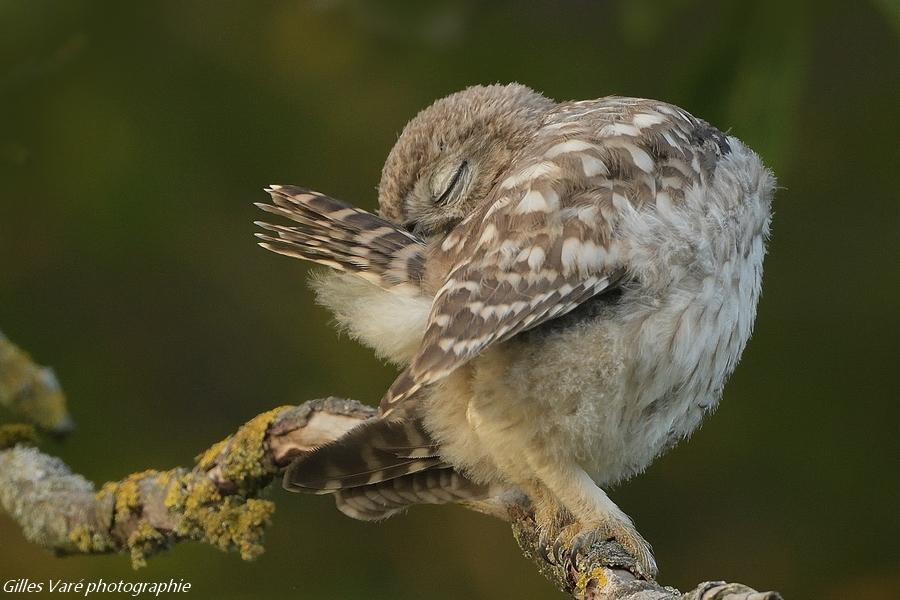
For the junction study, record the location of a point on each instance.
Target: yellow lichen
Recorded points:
(242, 462)
(80, 536)
(175, 493)
(124, 498)
(208, 458)
(142, 541)
(163, 479)
(107, 489)
(231, 522)
(128, 494)
(16, 433)
(87, 541)
(594, 574)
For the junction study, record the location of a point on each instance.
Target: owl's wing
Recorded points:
(341, 236)
(541, 249)
(549, 241)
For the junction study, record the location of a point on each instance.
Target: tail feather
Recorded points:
(433, 486)
(375, 451)
(330, 232)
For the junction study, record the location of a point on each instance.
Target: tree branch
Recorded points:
(217, 502)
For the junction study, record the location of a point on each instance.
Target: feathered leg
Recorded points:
(597, 517)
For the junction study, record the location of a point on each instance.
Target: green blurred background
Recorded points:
(134, 137)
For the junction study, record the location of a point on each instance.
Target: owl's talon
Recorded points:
(580, 545)
(558, 551)
(543, 549)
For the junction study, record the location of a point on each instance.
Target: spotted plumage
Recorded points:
(568, 286)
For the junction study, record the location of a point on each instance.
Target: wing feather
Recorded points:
(338, 235)
(521, 263)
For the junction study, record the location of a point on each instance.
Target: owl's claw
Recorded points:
(559, 547)
(625, 534)
(581, 544)
(543, 549)
(555, 553)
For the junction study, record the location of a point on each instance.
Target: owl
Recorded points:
(566, 286)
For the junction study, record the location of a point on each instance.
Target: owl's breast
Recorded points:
(392, 324)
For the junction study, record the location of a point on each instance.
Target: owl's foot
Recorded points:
(579, 538)
(551, 522)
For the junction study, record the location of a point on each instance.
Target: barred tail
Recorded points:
(441, 485)
(375, 451)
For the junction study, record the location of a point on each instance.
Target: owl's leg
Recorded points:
(597, 517)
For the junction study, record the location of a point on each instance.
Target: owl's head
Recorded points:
(451, 154)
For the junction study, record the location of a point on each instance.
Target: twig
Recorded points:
(31, 391)
(217, 502)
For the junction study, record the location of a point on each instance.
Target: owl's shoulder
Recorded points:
(635, 148)
(632, 132)
(618, 115)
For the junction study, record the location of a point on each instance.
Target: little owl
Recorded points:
(566, 285)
